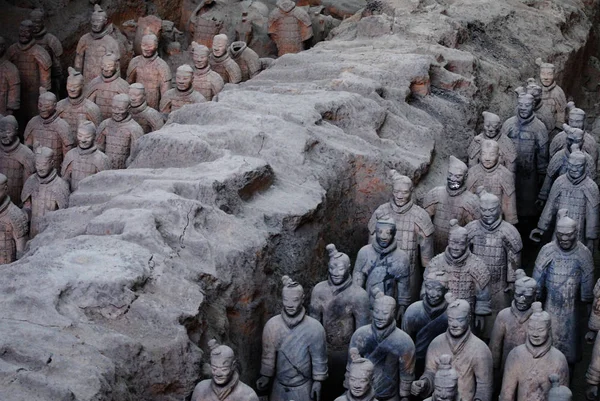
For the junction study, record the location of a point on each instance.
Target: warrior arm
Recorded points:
(542, 155)
(101, 138)
(591, 218)
(592, 376)
(45, 77)
(587, 277)
(93, 114)
(403, 281)
(510, 379)
(594, 322)
(549, 209)
(473, 151)
(539, 271)
(548, 181)
(497, 342)
(509, 206)
(318, 355)
(28, 135)
(483, 300)
(484, 375)
(315, 310)
(561, 106)
(165, 105)
(165, 85)
(234, 72)
(429, 374)
(406, 363)
(514, 263)
(362, 314)
(68, 142)
(131, 74)
(13, 97)
(269, 353)
(358, 276)
(79, 55)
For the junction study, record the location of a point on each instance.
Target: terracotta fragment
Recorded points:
(222, 63)
(289, 27)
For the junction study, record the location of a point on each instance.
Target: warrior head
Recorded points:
(558, 392)
(574, 136)
(46, 103)
(184, 77)
(446, 380)
(110, 65)
(576, 116)
(489, 206)
(360, 374)
(120, 107)
(566, 230)
(457, 240)
(86, 134)
(546, 73)
(200, 55)
(525, 106)
(525, 291)
(384, 309)
(459, 316)
(402, 188)
(490, 153)
(36, 16)
(44, 161)
(137, 94)
(220, 43)
(99, 19)
(457, 173)
(385, 230)
(436, 287)
(25, 32)
(576, 164)
(149, 45)
(539, 326)
(491, 124)
(293, 296)
(222, 363)
(338, 266)
(74, 83)
(9, 130)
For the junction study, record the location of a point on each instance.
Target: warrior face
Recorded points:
(222, 368)
(383, 314)
(457, 245)
(574, 137)
(537, 332)
(491, 128)
(149, 45)
(456, 178)
(46, 108)
(576, 120)
(402, 193)
(119, 110)
(489, 155)
(38, 21)
(384, 234)
(8, 134)
(74, 88)
(137, 96)
(490, 210)
(359, 380)
(525, 107)
(546, 76)
(524, 297)
(43, 165)
(200, 60)
(339, 271)
(85, 138)
(566, 237)
(444, 393)
(434, 292)
(576, 168)
(98, 23)
(219, 46)
(109, 67)
(458, 321)
(25, 34)
(292, 300)
(183, 80)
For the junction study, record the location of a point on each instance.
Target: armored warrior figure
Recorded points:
(496, 179)
(530, 138)
(592, 375)
(14, 230)
(414, 230)
(564, 271)
(206, 81)
(360, 379)
(44, 191)
(383, 265)
(471, 358)
(151, 71)
(221, 63)
(33, 64)
(50, 43)
(183, 93)
(390, 349)
(289, 27)
(246, 59)
(147, 117)
(102, 89)
(445, 383)
(10, 84)
(576, 120)
(49, 130)
(491, 131)
(16, 160)
(558, 392)
(451, 201)
(93, 46)
(85, 159)
(544, 114)
(553, 96)
(205, 22)
(117, 135)
(294, 355)
(529, 365)
(76, 107)
(225, 384)
(576, 192)
(468, 276)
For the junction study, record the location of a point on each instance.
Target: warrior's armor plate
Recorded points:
(289, 26)
(46, 195)
(154, 74)
(53, 133)
(498, 181)
(80, 163)
(102, 90)
(116, 139)
(75, 110)
(208, 83)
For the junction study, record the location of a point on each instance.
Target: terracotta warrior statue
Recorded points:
(576, 120)
(468, 276)
(360, 379)
(491, 131)
(541, 112)
(341, 307)
(117, 135)
(206, 21)
(16, 160)
(558, 392)
(294, 355)
(44, 191)
(225, 384)
(147, 117)
(564, 271)
(49, 130)
(103, 89)
(10, 83)
(391, 350)
(445, 383)
(151, 71)
(592, 376)
(553, 97)
(33, 64)
(50, 43)
(93, 46)
(221, 63)
(246, 59)
(471, 358)
(383, 265)
(414, 230)
(289, 27)
(529, 365)
(206, 81)
(14, 226)
(576, 192)
(530, 138)
(183, 93)
(495, 178)
(76, 106)
(451, 201)
(85, 159)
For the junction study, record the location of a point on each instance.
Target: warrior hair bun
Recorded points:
(531, 81)
(453, 223)
(449, 297)
(445, 362)
(480, 191)
(213, 344)
(354, 354)
(97, 8)
(575, 148)
(377, 293)
(536, 307)
(520, 273)
(570, 105)
(554, 379)
(286, 280)
(562, 213)
(331, 250)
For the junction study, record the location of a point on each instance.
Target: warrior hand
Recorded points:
(480, 323)
(417, 387)
(262, 383)
(591, 393)
(509, 287)
(536, 234)
(590, 336)
(540, 203)
(315, 392)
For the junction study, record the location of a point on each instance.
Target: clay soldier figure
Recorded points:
(17, 162)
(117, 135)
(592, 375)
(221, 63)
(576, 192)
(151, 71)
(49, 130)
(383, 265)
(529, 365)
(76, 106)
(206, 81)
(147, 117)
(390, 349)
(14, 228)
(183, 93)
(576, 120)
(496, 179)
(10, 84)
(205, 22)
(225, 384)
(553, 97)
(360, 379)
(289, 27)
(471, 358)
(294, 355)
(541, 112)
(85, 159)
(564, 271)
(33, 64)
(491, 131)
(102, 89)
(530, 138)
(414, 230)
(445, 383)
(50, 43)
(510, 326)
(93, 46)
(451, 201)
(246, 59)
(44, 191)
(341, 307)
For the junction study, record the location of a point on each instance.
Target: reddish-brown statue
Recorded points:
(10, 83)
(147, 117)
(16, 160)
(491, 131)
(576, 120)
(445, 383)
(76, 107)
(246, 59)
(289, 27)
(183, 93)
(50, 43)
(553, 97)
(222, 63)
(206, 21)
(360, 379)
(14, 227)
(102, 89)
(206, 81)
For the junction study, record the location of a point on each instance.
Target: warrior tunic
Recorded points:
(289, 27)
(81, 163)
(52, 132)
(116, 139)
(17, 163)
(45, 195)
(154, 73)
(246, 58)
(590, 145)
(507, 151)
(226, 67)
(174, 99)
(235, 390)
(75, 110)
(207, 82)
(498, 181)
(13, 227)
(10, 87)
(554, 100)
(510, 331)
(148, 118)
(102, 90)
